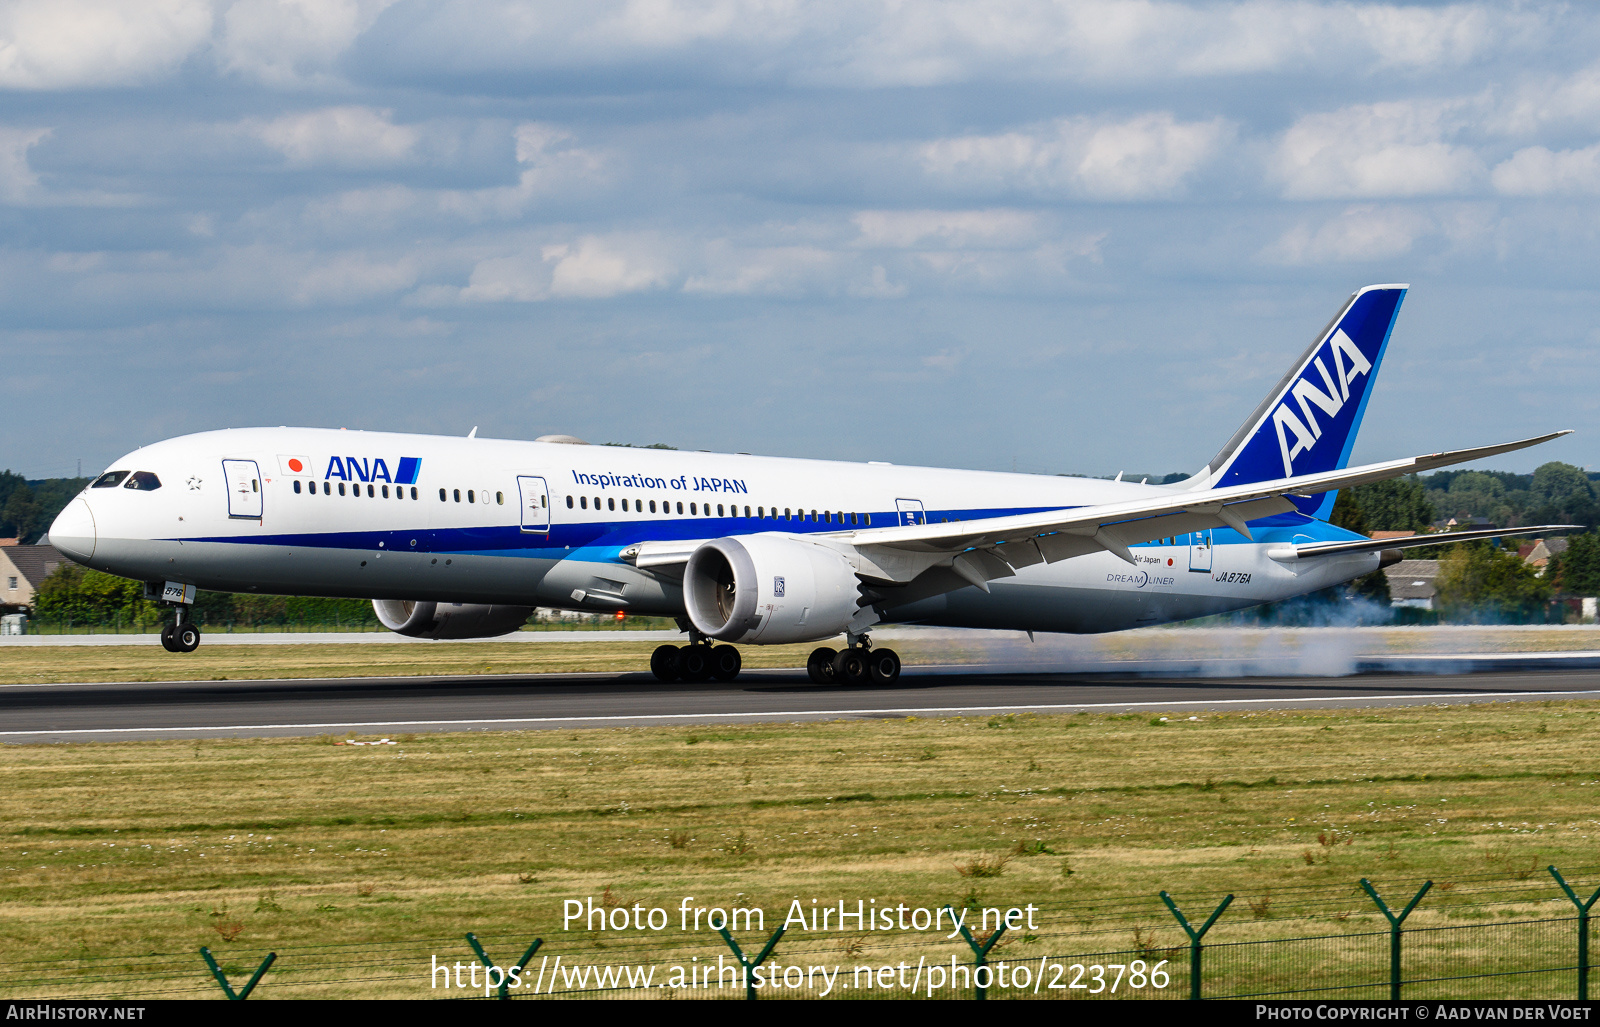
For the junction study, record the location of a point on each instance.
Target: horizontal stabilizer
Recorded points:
(1443, 538)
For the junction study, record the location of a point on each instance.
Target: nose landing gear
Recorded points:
(182, 635)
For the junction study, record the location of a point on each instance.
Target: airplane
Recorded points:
(462, 537)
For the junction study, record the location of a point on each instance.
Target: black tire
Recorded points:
(725, 662)
(820, 665)
(694, 662)
(185, 638)
(850, 666)
(166, 638)
(664, 663)
(883, 666)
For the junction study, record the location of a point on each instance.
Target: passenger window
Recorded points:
(692, 508)
(470, 497)
(638, 506)
(761, 511)
(869, 520)
(569, 502)
(747, 511)
(441, 495)
(297, 486)
(457, 494)
(109, 480)
(680, 507)
(341, 488)
(785, 513)
(386, 492)
(372, 493)
(719, 509)
(611, 504)
(327, 489)
(583, 501)
(652, 506)
(499, 499)
(597, 502)
(413, 492)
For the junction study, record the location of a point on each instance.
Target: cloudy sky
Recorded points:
(1050, 236)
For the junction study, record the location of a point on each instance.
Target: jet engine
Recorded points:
(449, 620)
(769, 589)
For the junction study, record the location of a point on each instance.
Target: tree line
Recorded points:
(28, 506)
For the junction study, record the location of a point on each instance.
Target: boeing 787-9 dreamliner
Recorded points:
(462, 537)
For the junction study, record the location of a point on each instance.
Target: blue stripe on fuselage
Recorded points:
(511, 540)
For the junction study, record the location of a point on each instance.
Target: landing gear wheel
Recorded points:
(725, 662)
(166, 638)
(185, 638)
(694, 662)
(664, 662)
(883, 666)
(850, 666)
(820, 665)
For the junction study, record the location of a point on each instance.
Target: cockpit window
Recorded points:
(144, 481)
(109, 480)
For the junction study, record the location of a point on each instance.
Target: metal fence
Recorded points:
(1542, 957)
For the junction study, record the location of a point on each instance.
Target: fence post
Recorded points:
(1583, 932)
(1194, 939)
(505, 976)
(222, 978)
(750, 964)
(981, 991)
(1394, 931)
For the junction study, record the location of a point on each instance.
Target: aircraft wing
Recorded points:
(1443, 538)
(993, 547)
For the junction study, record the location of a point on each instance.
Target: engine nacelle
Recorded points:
(449, 620)
(769, 589)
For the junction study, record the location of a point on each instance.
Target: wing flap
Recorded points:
(1444, 538)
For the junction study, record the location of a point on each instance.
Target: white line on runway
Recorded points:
(1186, 704)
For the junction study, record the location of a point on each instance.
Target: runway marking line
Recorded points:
(1187, 704)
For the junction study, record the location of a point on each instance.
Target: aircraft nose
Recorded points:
(73, 532)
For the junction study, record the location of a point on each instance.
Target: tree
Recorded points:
(1479, 581)
(1399, 504)
(1349, 514)
(1556, 482)
(75, 593)
(22, 515)
(1577, 571)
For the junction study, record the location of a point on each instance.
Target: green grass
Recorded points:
(120, 850)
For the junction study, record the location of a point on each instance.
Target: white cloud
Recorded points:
(551, 164)
(348, 137)
(1361, 233)
(1536, 171)
(903, 229)
(1374, 150)
(1148, 157)
(592, 267)
(733, 270)
(874, 43)
(75, 44)
(286, 42)
(18, 183)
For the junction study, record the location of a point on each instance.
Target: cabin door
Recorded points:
(243, 480)
(535, 499)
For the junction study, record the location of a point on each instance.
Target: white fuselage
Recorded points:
(306, 511)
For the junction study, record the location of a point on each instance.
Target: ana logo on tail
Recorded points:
(1348, 364)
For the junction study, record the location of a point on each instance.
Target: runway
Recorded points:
(382, 706)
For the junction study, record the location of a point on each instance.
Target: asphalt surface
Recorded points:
(379, 706)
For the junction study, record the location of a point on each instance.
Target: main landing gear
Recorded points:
(858, 665)
(182, 635)
(699, 661)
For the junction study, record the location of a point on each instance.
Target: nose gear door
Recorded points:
(535, 503)
(243, 479)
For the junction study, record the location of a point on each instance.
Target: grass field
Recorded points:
(1326, 651)
(356, 863)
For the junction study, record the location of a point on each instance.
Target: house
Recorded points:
(1411, 583)
(1540, 550)
(21, 570)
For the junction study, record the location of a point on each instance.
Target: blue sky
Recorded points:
(1063, 236)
